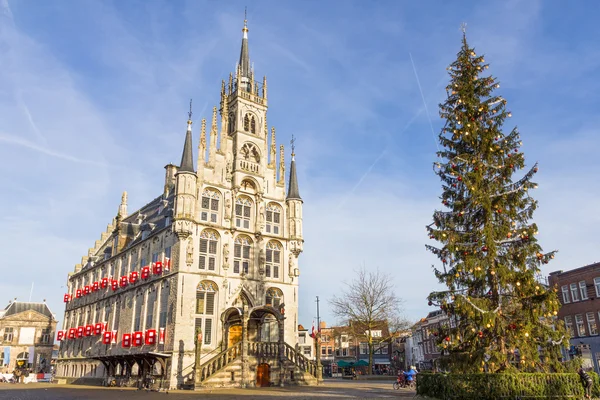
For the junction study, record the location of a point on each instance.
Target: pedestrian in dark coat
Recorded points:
(587, 382)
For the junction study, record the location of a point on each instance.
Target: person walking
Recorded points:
(587, 382)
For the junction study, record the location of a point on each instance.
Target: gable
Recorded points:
(29, 316)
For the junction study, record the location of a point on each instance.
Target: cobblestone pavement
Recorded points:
(329, 390)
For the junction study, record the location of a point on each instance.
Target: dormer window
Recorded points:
(210, 206)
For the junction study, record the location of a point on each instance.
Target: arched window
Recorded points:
(208, 249)
(241, 254)
(206, 297)
(247, 122)
(210, 206)
(273, 218)
(139, 302)
(164, 304)
(231, 122)
(253, 125)
(243, 212)
(274, 297)
(150, 306)
(250, 152)
(273, 260)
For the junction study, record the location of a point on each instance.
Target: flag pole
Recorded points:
(318, 347)
(31, 292)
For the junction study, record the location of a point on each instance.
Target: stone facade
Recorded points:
(227, 236)
(26, 337)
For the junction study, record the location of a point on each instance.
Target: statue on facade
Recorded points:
(190, 251)
(226, 255)
(262, 259)
(228, 170)
(228, 207)
(261, 217)
(291, 264)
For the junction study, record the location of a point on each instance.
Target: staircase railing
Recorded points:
(300, 360)
(263, 349)
(220, 361)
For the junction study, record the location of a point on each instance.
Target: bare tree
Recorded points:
(368, 303)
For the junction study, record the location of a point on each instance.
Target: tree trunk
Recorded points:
(370, 372)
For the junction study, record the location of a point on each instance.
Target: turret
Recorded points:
(294, 205)
(185, 187)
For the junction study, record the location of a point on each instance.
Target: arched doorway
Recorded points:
(263, 375)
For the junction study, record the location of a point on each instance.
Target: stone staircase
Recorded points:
(225, 368)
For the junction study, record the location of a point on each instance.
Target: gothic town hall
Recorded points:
(199, 287)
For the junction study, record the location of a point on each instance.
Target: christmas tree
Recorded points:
(501, 317)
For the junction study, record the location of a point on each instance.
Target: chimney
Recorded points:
(171, 170)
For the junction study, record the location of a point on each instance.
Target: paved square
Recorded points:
(329, 390)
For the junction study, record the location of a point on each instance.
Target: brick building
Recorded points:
(26, 337)
(579, 294)
(424, 349)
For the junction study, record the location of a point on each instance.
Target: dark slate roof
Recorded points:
(150, 217)
(293, 192)
(187, 158)
(245, 54)
(17, 307)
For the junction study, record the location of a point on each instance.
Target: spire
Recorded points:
(187, 158)
(281, 180)
(293, 192)
(244, 64)
(213, 138)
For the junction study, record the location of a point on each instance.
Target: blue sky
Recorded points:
(94, 95)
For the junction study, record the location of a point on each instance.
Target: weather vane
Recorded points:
(463, 27)
(293, 143)
(190, 113)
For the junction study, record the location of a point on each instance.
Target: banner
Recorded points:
(6, 355)
(31, 354)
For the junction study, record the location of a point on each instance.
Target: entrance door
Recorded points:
(262, 375)
(235, 335)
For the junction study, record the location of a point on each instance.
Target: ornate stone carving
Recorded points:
(228, 206)
(189, 251)
(226, 255)
(229, 170)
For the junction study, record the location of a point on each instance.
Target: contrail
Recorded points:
(52, 153)
(362, 178)
(424, 102)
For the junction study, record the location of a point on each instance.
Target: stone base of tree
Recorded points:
(504, 386)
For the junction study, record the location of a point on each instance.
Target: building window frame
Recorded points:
(597, 286)
(242, 255)
(273, 219)
(574, 292)
(274, 297)
(273, 260)
(565, 294)
(569, 325)
(209, 244)
(592, 327)
(206, 308)
(243, 212)
(580, 325)
(583, 290)
(209, 205)
(9, 334)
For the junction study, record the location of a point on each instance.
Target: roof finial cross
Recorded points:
(293, 143)
(190, 112)
(463, 27)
